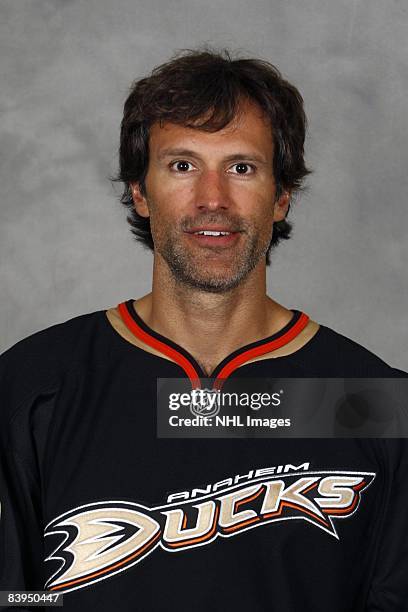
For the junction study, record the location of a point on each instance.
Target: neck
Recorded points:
(210, 326)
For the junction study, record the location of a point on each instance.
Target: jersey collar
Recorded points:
(186, 361)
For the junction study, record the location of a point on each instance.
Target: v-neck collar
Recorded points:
(185, 360)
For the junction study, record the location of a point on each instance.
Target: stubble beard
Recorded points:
(192, 267)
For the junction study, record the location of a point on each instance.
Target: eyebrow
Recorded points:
(175, 152)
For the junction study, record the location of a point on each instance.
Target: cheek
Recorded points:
(257, 210)
(263, 221)
(253, 197)
(168, 199)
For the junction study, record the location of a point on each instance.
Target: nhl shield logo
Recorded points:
(204, 402)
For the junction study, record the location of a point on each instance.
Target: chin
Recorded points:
(213, 283)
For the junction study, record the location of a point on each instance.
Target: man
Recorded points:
(211, 154)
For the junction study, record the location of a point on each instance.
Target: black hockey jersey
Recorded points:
(96, 506)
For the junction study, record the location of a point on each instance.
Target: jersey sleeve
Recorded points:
(21, 541)
(26, 379)
(389, 584)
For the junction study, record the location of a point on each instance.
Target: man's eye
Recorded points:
(242, 168)
(181, 166)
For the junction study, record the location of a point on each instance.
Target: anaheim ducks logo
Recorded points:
(99, 540)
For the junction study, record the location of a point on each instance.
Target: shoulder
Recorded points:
(52, 342)
(36, 363)
(331, 353)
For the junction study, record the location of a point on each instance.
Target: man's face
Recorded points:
(211, 199)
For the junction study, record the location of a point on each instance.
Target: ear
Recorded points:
(281, 206)
(139, 200)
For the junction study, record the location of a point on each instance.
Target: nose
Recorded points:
(212, 192)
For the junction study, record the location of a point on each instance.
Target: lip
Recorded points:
(214, 241)
(212, 228)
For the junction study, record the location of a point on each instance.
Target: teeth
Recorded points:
(211, 233)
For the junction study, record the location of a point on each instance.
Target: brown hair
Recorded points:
(203, 89)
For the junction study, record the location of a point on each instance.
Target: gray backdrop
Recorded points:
(66, 66)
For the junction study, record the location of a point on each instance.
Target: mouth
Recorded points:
(211, 233)
(214, 237)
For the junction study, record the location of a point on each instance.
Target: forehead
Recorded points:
(249, 132)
